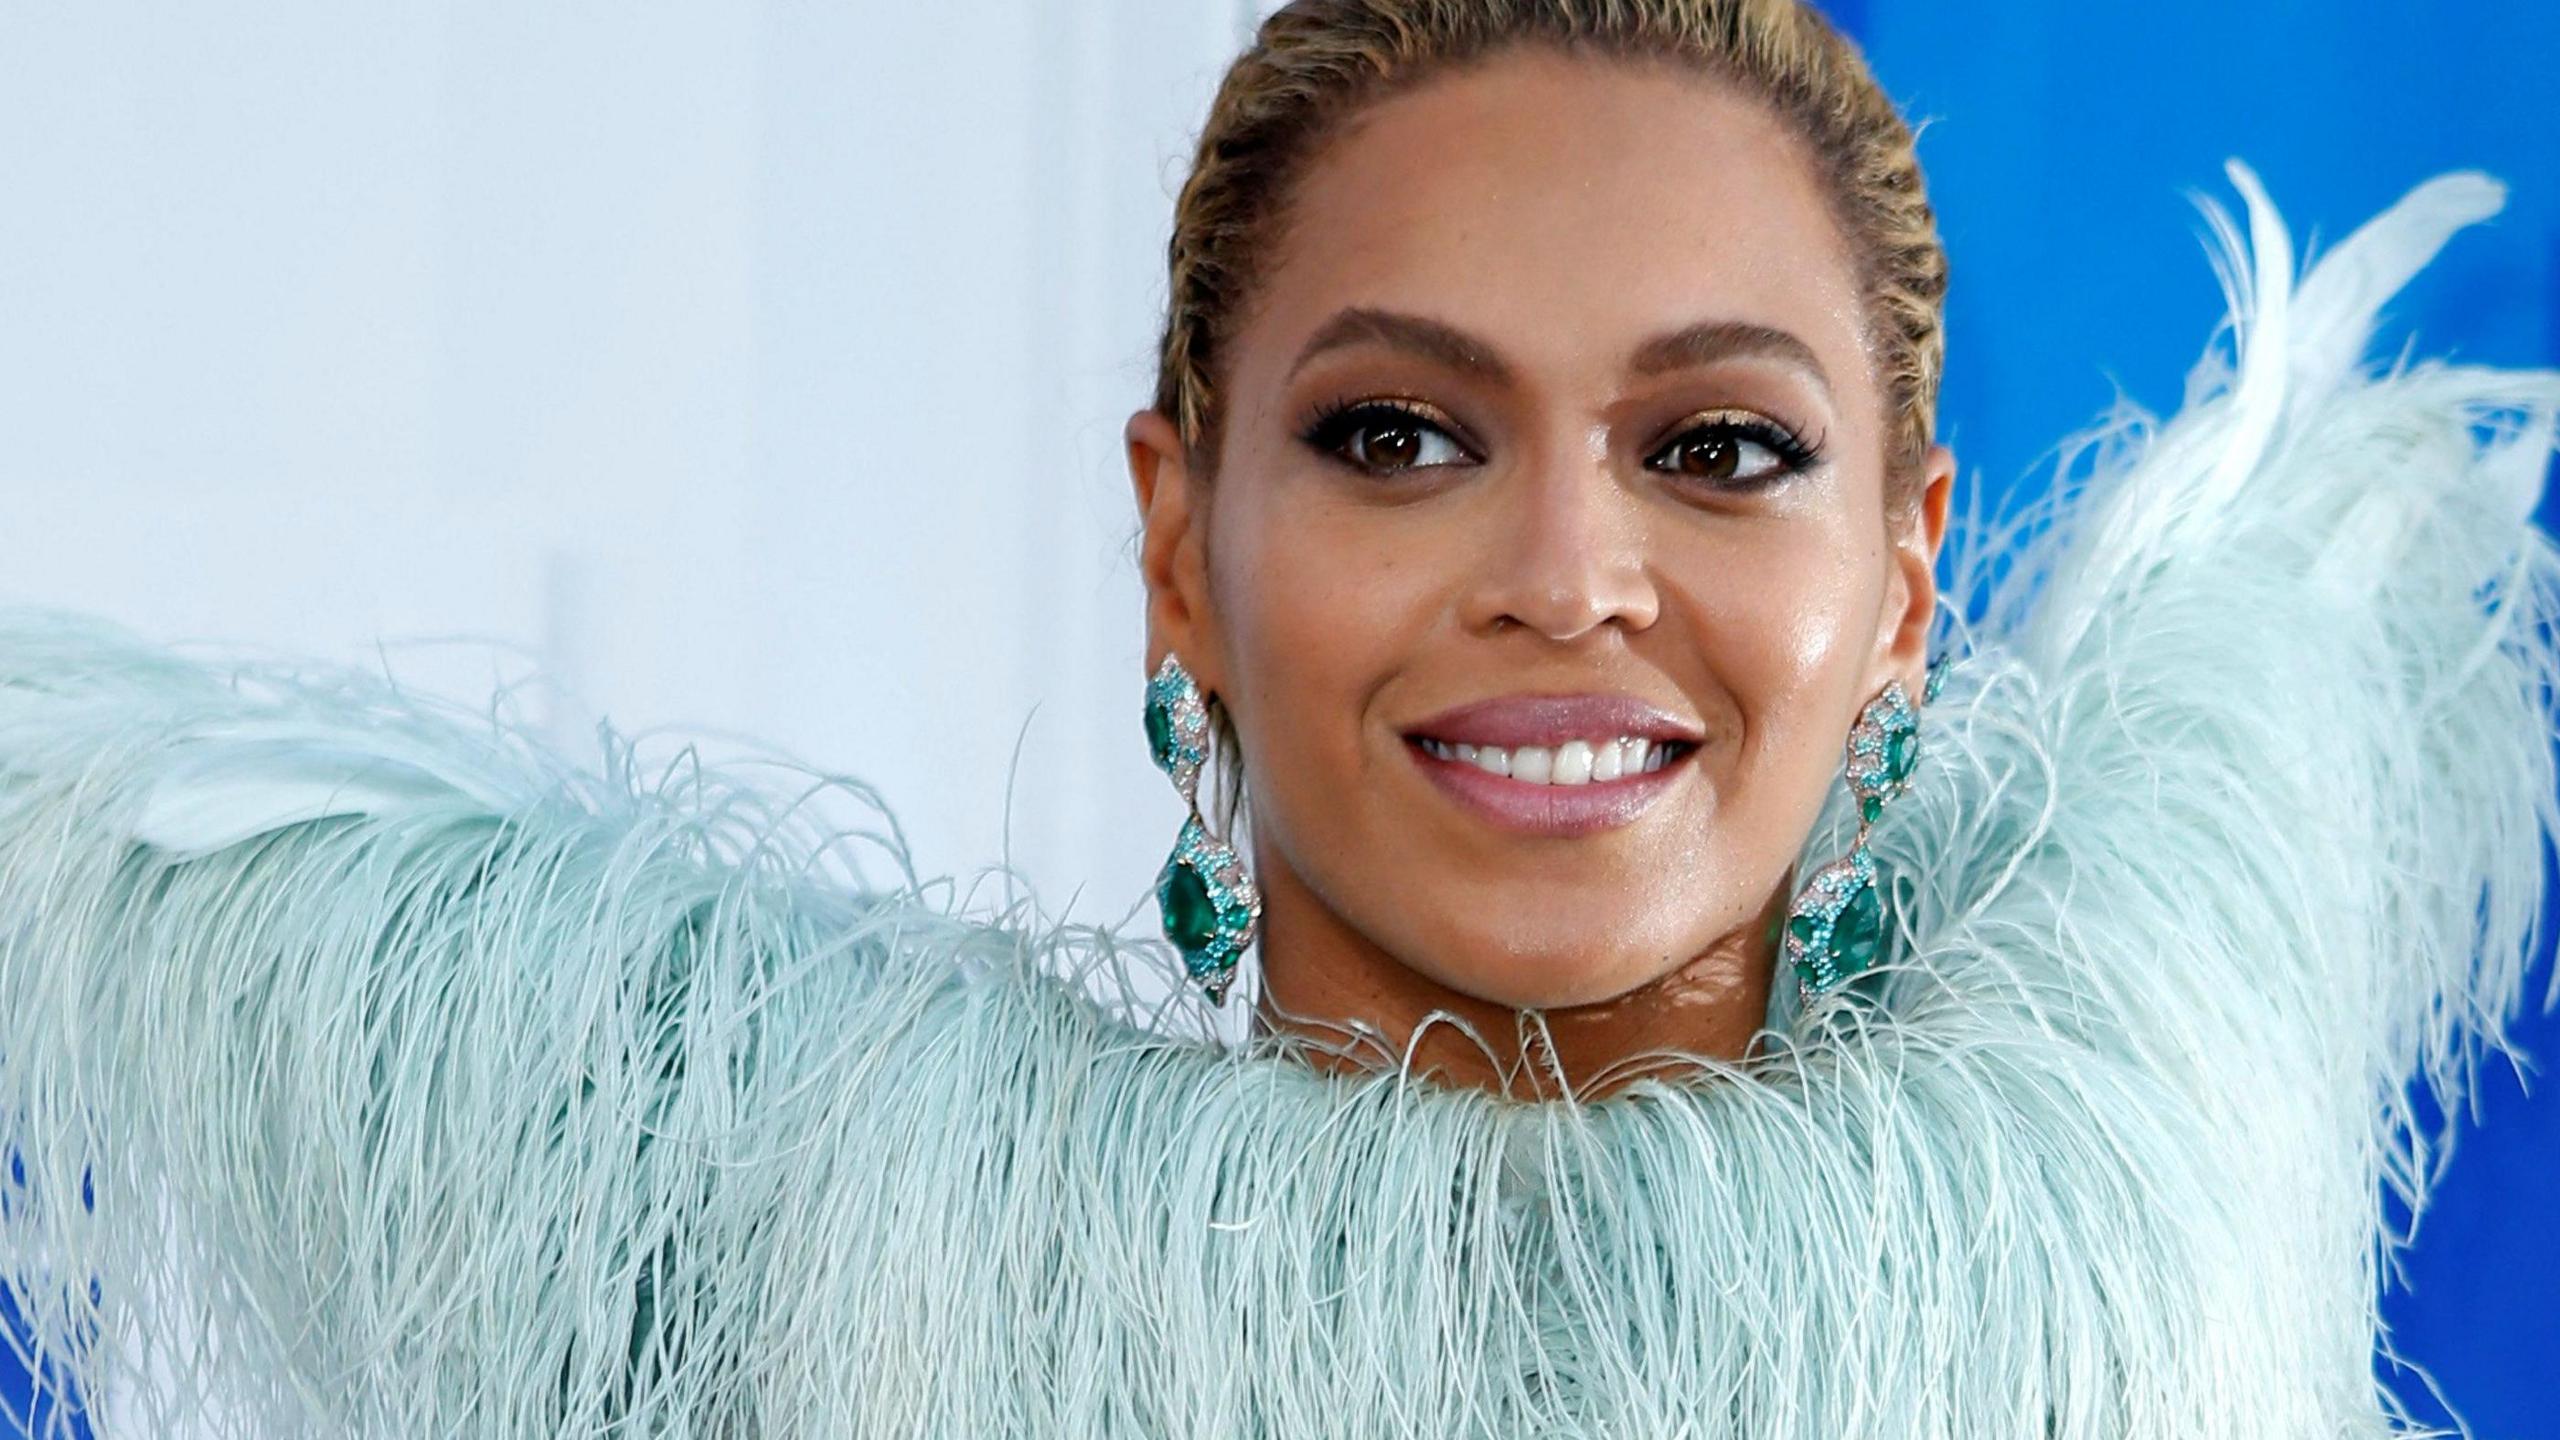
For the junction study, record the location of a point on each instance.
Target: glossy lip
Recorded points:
(1511, 721)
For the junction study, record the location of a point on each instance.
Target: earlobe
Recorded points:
(1170, 552)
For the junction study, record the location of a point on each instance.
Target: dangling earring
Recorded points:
(1210, 905)
(1837, 921)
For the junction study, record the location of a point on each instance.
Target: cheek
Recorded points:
(1315, 609)
(1782, 618)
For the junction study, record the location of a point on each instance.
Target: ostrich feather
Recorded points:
(373, 1070)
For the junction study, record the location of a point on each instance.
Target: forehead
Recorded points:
(1566, 208)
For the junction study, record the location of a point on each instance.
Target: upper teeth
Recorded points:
(1575, 762)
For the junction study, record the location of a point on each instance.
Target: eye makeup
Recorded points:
(1336, 424)
(1709, 445)
(1718, 440)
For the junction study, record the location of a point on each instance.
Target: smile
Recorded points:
(1575, 762)
(1554, 765)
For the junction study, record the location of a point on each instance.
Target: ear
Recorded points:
(1173, 550)
(1911, 593)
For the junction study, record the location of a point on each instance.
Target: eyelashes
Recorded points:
(1717, 445)
(1338, 424)
(1387, 437)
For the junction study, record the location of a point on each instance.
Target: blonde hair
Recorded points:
(1314, 62)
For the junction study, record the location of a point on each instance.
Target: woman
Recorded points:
(1546, 394)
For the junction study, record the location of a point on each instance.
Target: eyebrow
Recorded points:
(1703, 343)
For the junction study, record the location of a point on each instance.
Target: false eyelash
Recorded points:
(1337, 420)
(1794, 452)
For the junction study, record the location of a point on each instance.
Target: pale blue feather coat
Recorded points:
(373, 1071)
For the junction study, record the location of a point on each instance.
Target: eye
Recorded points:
(1383, 437)
(1738, 452)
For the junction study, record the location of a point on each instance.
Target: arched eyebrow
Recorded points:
(1703, 343)
(1712, 340)
(1430, 339)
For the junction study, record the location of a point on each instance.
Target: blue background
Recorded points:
(2059, 141)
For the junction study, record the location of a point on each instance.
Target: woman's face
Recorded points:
(1551, 447)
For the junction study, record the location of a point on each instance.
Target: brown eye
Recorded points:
(1707, 456)
(1734, 454)
(1383, 439)
(1393, 446)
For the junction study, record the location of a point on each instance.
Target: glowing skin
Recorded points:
(1556, 516)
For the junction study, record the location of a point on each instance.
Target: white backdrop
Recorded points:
(755, 369)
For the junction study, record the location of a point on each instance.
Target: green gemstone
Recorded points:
(1803, 928)
(1858, 931)
(1190, 918)
(1870, 806)
(1160, 732)
(1900, 752)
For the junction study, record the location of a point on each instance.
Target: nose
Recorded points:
(1565, 556)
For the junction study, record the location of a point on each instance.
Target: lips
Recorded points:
(1511, 721)
(1470, 754)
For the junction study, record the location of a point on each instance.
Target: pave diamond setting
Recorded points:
(1835, 929)
(1209, 905)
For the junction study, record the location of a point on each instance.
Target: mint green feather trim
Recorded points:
(421, 1083)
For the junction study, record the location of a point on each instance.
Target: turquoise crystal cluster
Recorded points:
(1177, 728)
(1883, 746)
(1836, 925)
(1209, 905)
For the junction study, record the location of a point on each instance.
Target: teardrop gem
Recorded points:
(1857, 931)
(1190, 917)
(1901, 749)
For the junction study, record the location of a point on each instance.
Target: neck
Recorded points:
(1324, 981)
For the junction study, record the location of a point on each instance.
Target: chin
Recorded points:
(1533, 971)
